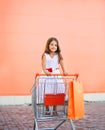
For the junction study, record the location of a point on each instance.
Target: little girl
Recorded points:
(51, 59)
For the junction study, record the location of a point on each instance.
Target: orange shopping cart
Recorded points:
(49, 92)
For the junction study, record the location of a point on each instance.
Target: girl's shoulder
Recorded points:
(46, 55)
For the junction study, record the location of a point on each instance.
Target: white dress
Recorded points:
(50, 84)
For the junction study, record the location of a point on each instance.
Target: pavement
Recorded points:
(21, 117)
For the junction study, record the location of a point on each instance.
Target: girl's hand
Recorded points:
(48, 73)
(65, 73)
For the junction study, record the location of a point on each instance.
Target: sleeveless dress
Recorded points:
(50, 84)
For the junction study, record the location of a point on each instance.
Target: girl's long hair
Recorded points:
(47, 50)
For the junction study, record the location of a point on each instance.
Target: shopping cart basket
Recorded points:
(47, 92)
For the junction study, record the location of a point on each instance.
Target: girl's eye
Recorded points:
(53, 44)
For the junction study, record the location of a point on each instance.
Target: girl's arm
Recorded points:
(62, 66)
(44, 65)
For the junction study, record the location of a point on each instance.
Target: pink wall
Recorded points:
(26, 25)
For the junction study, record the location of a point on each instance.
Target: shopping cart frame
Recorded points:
(34, 106)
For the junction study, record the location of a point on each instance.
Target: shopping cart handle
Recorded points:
(76, 75)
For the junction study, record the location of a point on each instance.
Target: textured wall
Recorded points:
(26, 25)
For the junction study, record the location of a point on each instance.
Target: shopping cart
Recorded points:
(47, 92)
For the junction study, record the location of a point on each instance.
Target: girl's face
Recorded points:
(53, 46)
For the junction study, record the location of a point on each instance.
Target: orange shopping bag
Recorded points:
(75, 100)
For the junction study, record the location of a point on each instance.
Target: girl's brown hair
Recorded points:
(47, 50)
